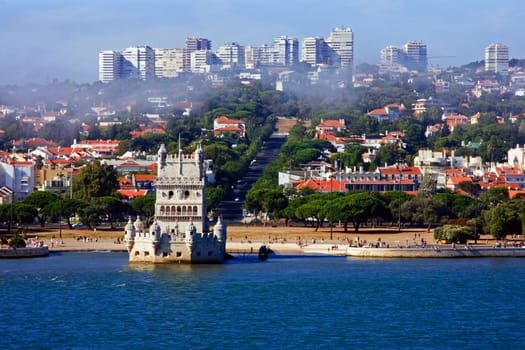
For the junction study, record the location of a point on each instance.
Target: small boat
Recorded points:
(264, 251)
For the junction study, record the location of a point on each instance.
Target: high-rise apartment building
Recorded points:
(194, 44)
(391, 56)
(231, 55)
(314, 51)
(285, 51)
(202, 61)
(169, 63)
(258, 55)
(497, 59)
(341, 41)
(135, 62)
(138, 63)
(109, 62)
(415, 56)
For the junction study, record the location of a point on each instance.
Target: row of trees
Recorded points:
(42, 207)
(492, 213)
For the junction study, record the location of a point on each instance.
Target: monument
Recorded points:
(180, 231)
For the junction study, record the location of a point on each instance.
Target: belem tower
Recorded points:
(179, 233)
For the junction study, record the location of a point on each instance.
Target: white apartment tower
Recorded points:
(231, 55)
(108, 65)
(194, 44)
(258, 55)
(313, 51)
(285, 51)
(391, 55)
(138, 63)
(202, 61)
(169, 63)
(497, 59)
(341, 41)
(415, 56)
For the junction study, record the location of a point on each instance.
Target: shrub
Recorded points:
(17, 242)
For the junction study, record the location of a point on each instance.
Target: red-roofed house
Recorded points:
(103, 147)
(454, 181)
(454, 120)
(223, 125)
(390, 112)
(150, 130)
(129, 195)
(330, 126)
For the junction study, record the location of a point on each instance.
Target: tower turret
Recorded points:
(129, 234)
(219, 230)
(161, 156)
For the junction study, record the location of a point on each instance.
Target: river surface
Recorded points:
(95, 300)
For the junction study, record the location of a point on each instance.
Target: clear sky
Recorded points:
(46, 39)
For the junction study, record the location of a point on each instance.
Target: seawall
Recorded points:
(434, 252)
(11, 253)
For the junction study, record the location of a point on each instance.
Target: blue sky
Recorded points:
(46, 39)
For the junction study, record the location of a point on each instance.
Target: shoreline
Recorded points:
(247, 239)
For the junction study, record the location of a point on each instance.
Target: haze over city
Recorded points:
(59, 39)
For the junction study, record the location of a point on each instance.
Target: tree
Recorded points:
(357, 208)
(425, 211)
(40, 200)
(145, 206)
(95, 180)
(494, 196)
(111, 208)
(25, 214)
(65, 208)
(453, 233)
(460, 205)
(394, 200)
(267, 200)
(502, 219)
(427, 188)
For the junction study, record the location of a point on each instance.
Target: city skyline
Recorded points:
(59, 39)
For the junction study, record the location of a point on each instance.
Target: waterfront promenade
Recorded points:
(247, 239)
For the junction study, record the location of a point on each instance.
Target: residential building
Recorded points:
(314, 51)
(497, 59)
(194, 44)
(231, 55)
(102, 147)
(412, 56)
(341, 42)
(18, 176)
(391, 56)
(454, 120)
(202, 61)
(285, 51)
(169, 63)
(138, 63)
(390, 112)
(223, 125)
(109, 62)
(415, 56)
(257, 55)
(516, 157)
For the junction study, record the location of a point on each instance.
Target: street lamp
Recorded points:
(399, 198)
(60, 205)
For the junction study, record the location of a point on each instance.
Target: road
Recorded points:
(231, 209)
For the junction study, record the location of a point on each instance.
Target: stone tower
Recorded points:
(180, 231)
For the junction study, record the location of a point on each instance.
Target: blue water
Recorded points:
(98, 301)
